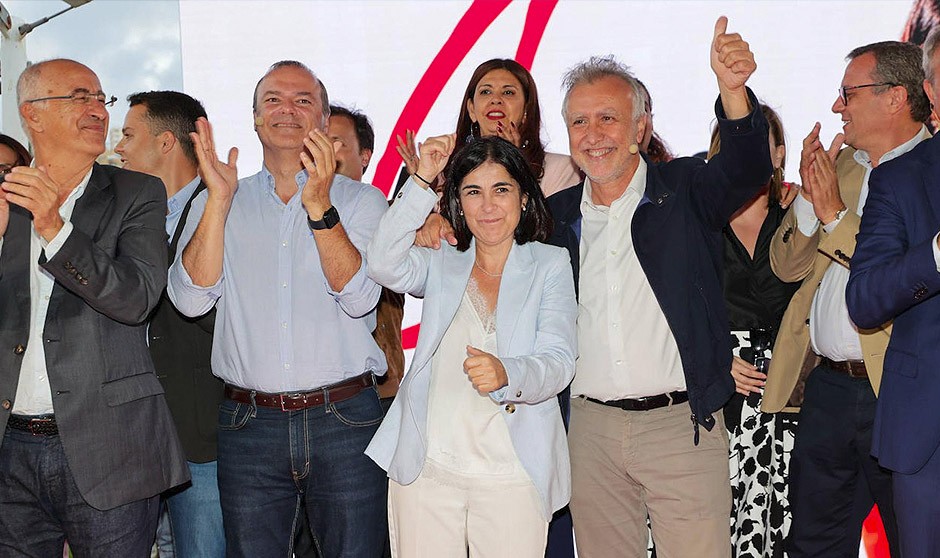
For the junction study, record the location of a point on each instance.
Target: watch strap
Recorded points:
(329, 220)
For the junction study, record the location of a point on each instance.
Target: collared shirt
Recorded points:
(175, 205)
(33, 394)
(832, 333)
(279, 326)
(625, 346)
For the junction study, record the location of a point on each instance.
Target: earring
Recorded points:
(633, 149)
(460, 212)
(470, 135)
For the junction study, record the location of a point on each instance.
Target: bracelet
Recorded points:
(419, 177)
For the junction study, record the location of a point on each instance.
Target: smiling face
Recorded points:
(61, 124)
(864, 114)
(601, 129)
(492, 203)
(139, 148)
(288, 108)
(497, 97)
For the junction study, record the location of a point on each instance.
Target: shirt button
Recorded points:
(284, 285)
(284, 325)
(284, 244)
(286, 366)
(619, 363)
(616, 325)
(613, 252)
(46, 297)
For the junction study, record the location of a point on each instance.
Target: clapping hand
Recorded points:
(818, 172)
(319, 159)
(35, 191)
(221, 178)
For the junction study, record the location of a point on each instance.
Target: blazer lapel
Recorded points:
(454, 278)
(90, 208)
(514, 287)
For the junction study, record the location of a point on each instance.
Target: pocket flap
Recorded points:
(900, 362)
(131, 388)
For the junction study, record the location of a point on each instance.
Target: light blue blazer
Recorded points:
(536, 316)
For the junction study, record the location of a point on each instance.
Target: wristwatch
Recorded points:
(329, 220)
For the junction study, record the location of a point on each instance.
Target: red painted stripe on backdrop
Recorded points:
(467, 32)
(873, 536)
(409, 337)
(536, 20)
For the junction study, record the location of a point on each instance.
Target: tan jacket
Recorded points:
(795, 257)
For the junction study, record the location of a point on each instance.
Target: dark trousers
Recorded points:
(41, 507)
(272, 463)
(917, 500)
(834, 480)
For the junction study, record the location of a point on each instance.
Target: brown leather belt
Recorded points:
(646, 403)
(42, 425)
(296, 401)
(853, 368)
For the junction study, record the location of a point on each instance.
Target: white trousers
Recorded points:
(442, 515)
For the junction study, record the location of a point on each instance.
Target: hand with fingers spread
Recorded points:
(406, 149)
(221, 178)
(319, 159)
(435, 153)
(509, 133)
(747, 379)
(485, 371)
(733, 63)
(435, 228)
(35, 191)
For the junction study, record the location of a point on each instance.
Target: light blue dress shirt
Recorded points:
(279, 326)
(175, 205)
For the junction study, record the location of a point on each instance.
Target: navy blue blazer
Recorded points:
(894, 277)
(677, 235)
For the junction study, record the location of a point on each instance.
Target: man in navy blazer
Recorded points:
(645, 245)
(89, 443)
(895, 274)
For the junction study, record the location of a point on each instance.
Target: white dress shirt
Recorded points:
(625, 346)
(33, 394)
(831, 331)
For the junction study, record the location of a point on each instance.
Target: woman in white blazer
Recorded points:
(474, 443)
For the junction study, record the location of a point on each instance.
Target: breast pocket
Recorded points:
(131, 388)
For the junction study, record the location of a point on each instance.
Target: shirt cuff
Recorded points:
(52, 247)
(358, 283)
(190, 288)
(806, 219)
(831, 226)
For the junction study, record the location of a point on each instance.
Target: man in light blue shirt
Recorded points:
(281, 255)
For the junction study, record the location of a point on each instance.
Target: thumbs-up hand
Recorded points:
(731, 57)
(484, 370)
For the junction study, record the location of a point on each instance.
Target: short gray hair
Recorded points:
(930, 47)
(599, 67)
(899, 64)
(27, 86)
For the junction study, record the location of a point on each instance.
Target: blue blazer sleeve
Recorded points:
(893, 267)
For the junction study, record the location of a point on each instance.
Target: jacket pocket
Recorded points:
(131, 388)
(900, 362)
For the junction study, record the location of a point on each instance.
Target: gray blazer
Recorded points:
(535, 335)
(114, 424)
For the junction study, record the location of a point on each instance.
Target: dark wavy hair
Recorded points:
(23, 158)
(535, 223)
(532, 148)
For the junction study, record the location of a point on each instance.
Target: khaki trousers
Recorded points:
(627, 464)
(441, 515)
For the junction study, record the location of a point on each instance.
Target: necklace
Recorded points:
(485, 272)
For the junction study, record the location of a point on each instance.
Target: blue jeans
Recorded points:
(41, 507)
(196, 515)
(272, 462)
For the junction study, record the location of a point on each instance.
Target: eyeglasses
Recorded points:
(843, 91)
(79, 98)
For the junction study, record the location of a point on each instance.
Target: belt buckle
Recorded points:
(36, 423)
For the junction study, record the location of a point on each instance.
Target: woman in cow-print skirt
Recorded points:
(760, 443)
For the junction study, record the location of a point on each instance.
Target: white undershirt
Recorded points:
(625, 346)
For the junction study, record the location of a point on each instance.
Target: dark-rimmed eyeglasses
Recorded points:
(843, 91)
(79, 98)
